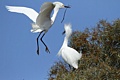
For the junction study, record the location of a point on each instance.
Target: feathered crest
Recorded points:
(68, 29)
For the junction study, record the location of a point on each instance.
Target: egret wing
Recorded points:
(45, 12)
(71, 54)
(45, 6)
(32, 14)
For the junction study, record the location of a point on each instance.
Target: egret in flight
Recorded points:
(70, 55)
(42, 21)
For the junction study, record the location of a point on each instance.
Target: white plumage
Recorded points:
(32, 14)
(70, 55)
(41, 21)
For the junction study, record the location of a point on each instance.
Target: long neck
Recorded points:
(54, 14)
(65, 43)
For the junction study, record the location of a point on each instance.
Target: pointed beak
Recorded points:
(63, 32)
(67, 6)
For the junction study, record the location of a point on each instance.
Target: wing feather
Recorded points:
(32, 14)
(45, 13)
(45, 6)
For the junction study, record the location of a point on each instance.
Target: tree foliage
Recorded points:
(101, 54)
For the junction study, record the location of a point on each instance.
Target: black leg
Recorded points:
(71, 68)
(38, 43)
(47, 50)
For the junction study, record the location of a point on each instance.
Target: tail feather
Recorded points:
(35, 28)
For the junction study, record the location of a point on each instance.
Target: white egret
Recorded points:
(70, 55)
(42, 20)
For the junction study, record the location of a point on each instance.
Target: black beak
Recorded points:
(67, 6)
(63, 32)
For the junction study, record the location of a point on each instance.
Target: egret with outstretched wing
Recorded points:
(42, 21)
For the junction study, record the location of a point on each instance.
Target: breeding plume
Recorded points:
(70, 55)
(41, 21)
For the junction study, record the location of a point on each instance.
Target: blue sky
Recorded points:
(18, 58)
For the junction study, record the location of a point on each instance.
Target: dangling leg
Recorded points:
(38, 43)
(47, 50)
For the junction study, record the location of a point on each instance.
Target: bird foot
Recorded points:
(47, 50)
